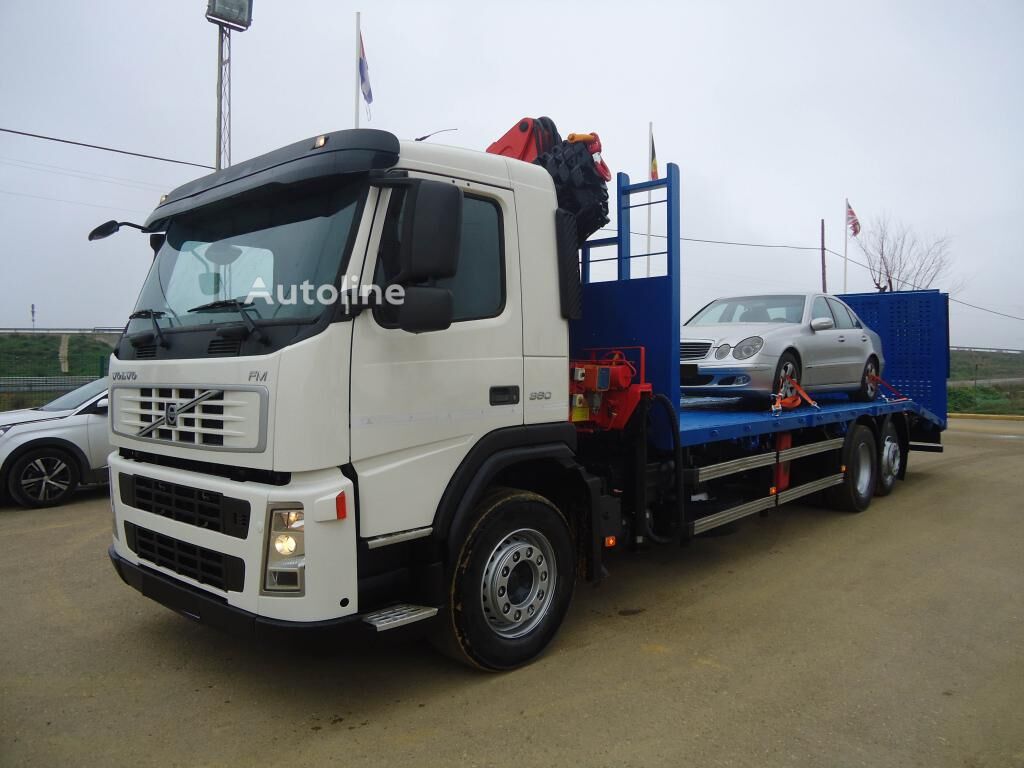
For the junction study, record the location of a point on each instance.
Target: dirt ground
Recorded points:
(806, 638)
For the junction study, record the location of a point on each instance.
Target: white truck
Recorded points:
(297, 446)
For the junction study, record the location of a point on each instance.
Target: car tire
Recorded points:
(512, 583)
(43, 477)
(788, 364)
(868, 389)
(859, 456)
(892, 459)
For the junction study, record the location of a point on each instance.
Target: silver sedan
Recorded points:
(748, 346)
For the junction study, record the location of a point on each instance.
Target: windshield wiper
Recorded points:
(151, 314)
(241, 307)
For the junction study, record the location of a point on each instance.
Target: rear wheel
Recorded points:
(868, 382)
(44, 477)
(891, 459)
(512, 584)
(860, 459)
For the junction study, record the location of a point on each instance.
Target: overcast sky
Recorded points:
(775, 112)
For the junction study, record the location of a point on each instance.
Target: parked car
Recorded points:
(746, 346)
(47, 452)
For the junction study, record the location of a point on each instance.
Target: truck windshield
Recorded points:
(751, 309)
(259, 247)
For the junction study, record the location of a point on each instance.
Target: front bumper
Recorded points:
(728, 379)
(330, 585)
(207, 608)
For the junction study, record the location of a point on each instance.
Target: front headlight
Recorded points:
(748, 347)
(286, 551)
(723, 352)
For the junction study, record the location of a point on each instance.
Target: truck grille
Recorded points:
(223, 572)
(193, 506)
(694, 350)
(225, 419)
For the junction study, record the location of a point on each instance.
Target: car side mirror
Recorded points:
(101, 405)
(431, 231)
(425, 309)
(822, 324)
(106, 229)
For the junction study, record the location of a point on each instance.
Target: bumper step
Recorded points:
(398, 616)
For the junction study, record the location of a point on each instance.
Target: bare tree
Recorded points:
(900, 261)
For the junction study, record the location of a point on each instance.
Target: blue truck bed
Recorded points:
(634, 310)
(708, 420)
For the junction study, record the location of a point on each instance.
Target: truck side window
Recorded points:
(820, 309)
(478, 287)
(843, 319)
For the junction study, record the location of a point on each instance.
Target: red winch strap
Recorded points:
(779, 403)
(890, 387)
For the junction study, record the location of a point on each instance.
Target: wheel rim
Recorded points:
(891, 458)
(870, 386)
(518, 583)
(46, 478)
(788, 369)
(863, 477)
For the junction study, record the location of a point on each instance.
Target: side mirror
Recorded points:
(425, 309)
(822, 324)
(102, 405)
(106, 229)
(431, 232)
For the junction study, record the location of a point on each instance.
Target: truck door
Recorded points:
(419, 402)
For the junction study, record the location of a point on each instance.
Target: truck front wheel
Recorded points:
(512, 584)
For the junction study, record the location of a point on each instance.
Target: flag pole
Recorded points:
(650, 166)
(359, 40)
(846, 241)
(824, 283)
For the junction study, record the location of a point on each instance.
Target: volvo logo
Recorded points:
(124, 376)
(173, 410)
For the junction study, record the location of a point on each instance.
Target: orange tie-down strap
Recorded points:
(899, 395)
(780, 403)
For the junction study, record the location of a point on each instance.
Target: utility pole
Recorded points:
(33, 317)
(227, 15)
(824, 283)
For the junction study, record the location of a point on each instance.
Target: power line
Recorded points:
(76, 174)
(105, 149)
(815, 248)
(71, 202)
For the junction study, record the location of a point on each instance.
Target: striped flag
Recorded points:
(654, 160)
(364, 73)
(851, 220)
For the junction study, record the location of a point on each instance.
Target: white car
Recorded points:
(47, 452)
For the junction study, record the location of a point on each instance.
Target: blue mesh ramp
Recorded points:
(914, 326)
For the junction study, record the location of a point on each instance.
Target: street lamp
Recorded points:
(227, 15)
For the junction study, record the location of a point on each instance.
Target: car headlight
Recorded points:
(748, 347)
(723, 352)
(286, 551)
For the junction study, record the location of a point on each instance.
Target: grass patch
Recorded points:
(1005, 400)
(24, 354)
(963, 366)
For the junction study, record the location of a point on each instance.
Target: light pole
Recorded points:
(227, 15)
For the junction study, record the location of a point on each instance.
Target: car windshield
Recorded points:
(77, 397)
(264, 246)
(751, 309)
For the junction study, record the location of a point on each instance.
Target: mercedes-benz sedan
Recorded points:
(752, 346)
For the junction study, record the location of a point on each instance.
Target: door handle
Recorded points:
(508, 395)
(842, 338)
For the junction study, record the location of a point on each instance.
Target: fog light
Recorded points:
(286, 563)
(285, 545)
(742, 380)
